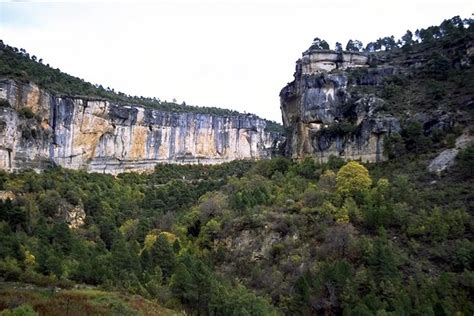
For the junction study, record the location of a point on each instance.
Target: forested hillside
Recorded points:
(391, 238)
(270, 237)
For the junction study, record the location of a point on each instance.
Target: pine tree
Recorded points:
(162, 254)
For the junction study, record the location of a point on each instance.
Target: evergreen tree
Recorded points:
(383, 261)
(162, 254)
(319, 44)
(354, 46)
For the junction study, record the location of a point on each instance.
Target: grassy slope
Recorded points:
(87, 301)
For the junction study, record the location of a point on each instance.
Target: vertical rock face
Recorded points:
(323, 119)
(38, 129)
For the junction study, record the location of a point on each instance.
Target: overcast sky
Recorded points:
(233, 54)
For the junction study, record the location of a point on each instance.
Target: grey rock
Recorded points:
(447, 157)
(443, 161)
(103, 136)
(317, 102)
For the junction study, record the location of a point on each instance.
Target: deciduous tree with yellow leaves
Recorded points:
(352, 178)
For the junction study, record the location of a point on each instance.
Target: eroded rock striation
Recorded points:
(39, 129)
(323, 118)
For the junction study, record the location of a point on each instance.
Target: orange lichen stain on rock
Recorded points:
(204, 141)
(87, 135)
(139, 136)
(45, 124)
(33, 99)
(86, 143)
(93, 124)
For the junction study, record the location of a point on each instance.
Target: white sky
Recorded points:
(232, 54)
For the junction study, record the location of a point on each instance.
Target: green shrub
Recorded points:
(26, 112)
(391, 90)
(10, 269)
(22, 310)
(394, 146)
(435, 90)
(438, 67)
(249, 192)
(115, 306)
(465, 160)
(414, 138)
(463, 255)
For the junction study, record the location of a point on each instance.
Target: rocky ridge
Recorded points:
(321, 116)
(39, 129)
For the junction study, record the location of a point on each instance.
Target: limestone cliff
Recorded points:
(322, 118)
(39, 129)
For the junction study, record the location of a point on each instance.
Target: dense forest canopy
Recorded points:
(360, 233)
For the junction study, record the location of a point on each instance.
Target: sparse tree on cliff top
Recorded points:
(319, 44)
(389, 42)
(354, 46)
(407, 38)
(370, 47)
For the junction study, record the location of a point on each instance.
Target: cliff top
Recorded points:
(312, 50)
(17, 64)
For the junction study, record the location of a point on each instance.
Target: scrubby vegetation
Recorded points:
(448, 31)
(261, 238)
(73, 302)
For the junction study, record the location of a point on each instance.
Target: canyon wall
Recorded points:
(324, 119)
(39, 129)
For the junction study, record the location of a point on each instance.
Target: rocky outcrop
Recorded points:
(256, 244)
(7, 195)
(74, 216)
(39, 129)
(316, 60)
(447, 157)
(322, 118)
